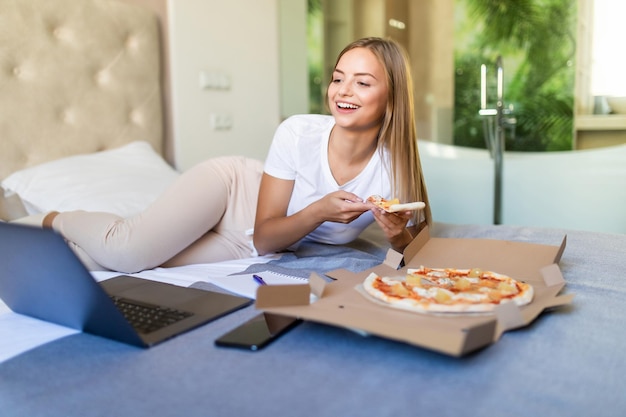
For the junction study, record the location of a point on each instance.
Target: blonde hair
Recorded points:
(398, 132)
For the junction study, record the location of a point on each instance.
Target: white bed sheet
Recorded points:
(19, 333)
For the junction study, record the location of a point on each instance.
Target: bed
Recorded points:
(82, 127)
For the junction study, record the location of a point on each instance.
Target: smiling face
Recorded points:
(357, 95)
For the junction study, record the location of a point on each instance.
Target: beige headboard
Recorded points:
(76, 76)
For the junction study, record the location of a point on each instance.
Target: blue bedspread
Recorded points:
(310, 257)
(569, 362)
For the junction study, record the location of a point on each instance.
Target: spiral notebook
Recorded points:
(246, 285)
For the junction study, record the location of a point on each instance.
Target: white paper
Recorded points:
(246, 286)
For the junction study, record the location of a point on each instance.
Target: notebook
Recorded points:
(41, 277)
(246, 285)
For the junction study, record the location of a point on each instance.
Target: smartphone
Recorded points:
(258, 332)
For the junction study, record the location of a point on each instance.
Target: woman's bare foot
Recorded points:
(48, 219)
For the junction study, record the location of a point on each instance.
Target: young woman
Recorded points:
(317, 177)
(321, 169)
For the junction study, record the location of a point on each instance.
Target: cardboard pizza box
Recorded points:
(342, 303)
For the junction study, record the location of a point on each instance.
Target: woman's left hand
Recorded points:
(394, 227)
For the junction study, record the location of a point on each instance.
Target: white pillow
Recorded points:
(121, 181)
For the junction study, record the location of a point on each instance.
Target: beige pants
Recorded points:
(201, 218)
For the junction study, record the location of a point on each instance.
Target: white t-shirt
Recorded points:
(299, 152)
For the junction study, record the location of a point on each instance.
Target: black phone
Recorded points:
(258, 332)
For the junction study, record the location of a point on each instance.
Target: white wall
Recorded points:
(239, 40)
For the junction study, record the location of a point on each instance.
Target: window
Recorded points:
(608, 64)
(536, 41)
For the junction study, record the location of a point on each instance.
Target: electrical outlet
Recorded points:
(214, 80)
(220, 121)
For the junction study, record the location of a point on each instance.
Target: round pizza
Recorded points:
(448, 290)
(394, 204)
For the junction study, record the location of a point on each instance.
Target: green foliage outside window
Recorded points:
(536, 41)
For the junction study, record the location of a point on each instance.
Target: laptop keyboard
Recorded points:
(147, 318)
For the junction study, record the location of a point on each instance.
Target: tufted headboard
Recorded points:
(76, 76)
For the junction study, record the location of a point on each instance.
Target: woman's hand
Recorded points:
(339, 207)
(274, 230)
(394, 227)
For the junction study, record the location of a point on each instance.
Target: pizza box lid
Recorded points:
(341, 302)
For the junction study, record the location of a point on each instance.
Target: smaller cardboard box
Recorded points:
(341, 303)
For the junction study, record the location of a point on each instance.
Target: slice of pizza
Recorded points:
(394, 205)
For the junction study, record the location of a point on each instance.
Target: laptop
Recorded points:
(41, 277)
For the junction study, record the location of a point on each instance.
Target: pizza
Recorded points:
(394, 205)
(448, 290)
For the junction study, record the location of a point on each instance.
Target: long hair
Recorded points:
(398, 132)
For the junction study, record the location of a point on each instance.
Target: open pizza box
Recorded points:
(342, 302)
